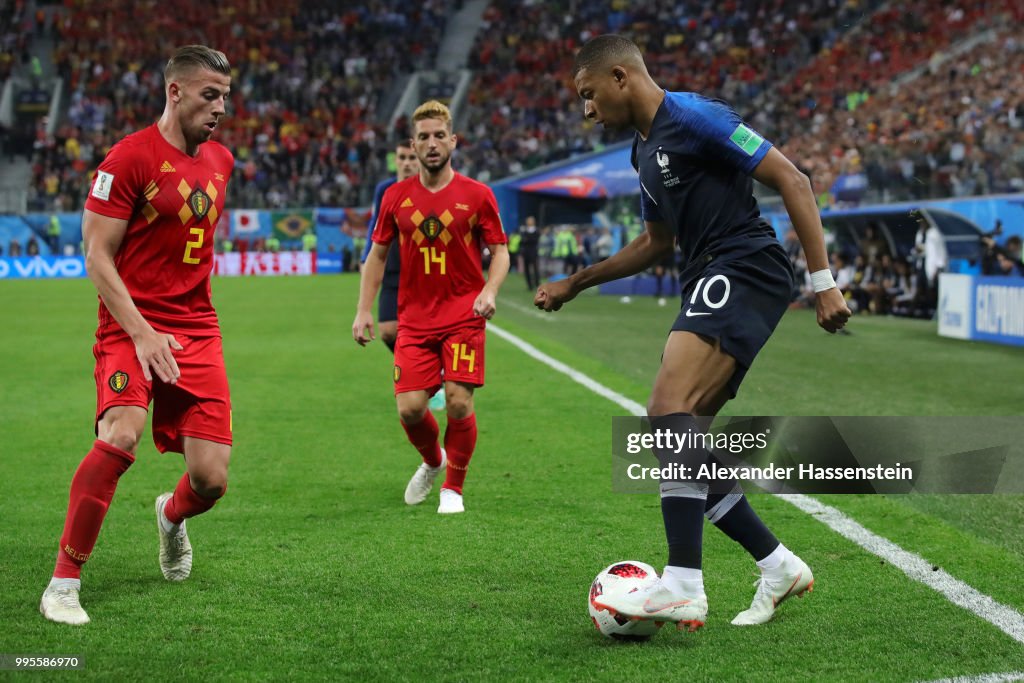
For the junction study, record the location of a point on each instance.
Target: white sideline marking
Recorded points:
(1006, 619)
(573, 374)
(1007, 677)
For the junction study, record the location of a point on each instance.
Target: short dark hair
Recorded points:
(606, 49)
(190, 57)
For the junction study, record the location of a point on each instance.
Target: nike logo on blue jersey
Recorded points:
(690, 313)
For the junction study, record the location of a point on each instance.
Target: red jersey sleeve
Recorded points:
(490, 221)
(385, 228)
(118, 184)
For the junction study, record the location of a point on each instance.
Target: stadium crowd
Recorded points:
(14, 38)
(308, 80)
(944, 133)
(305, 125)
(524, 111)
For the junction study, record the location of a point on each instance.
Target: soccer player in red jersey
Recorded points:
(148, 229)
(442, 220)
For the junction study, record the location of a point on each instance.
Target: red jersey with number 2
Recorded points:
(172, 203)
(441, 236)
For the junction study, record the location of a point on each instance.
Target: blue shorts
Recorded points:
(738, 302)
(387, 304)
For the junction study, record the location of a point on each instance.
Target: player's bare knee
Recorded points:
(411, 414)
(121, 436)
(458, 406)
(210, 485)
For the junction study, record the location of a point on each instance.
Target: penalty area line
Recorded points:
(1003, 617)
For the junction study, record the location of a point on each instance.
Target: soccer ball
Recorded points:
(619, 579)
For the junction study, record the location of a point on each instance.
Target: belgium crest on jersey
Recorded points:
(118, 381)
(431, 227)
(200, 203)
(398, 373)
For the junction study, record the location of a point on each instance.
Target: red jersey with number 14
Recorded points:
(172, 202)
(441, 236)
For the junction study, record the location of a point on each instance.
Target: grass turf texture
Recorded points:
(312, 566)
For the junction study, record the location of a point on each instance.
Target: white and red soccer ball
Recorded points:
(621, 578)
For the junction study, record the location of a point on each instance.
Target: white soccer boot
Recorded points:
(451, 503)
(422, 481)
(793, 577)
(60, 603)
(657, 603)
(175, 549)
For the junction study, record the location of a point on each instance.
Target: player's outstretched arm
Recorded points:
(486, 303)
(102, 236)
(369, 284)
(643, 252)
(778, 173)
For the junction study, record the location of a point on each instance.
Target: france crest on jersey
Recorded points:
(695, 168)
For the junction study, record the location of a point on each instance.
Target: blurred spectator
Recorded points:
(902, 291)
(528, 247)
(872, 246)
(1013, 248)
(930, 253)
(1008, 266)
(843, 273)
(566, 249)
(603, 246)
(1005, 260)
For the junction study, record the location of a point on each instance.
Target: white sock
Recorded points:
(774, 559)
(683, 581)
(65, 583)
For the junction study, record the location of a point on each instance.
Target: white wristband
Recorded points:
(822, 280)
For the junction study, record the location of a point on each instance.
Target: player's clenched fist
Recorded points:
(551, 295)
(832, 310)
(485, 305)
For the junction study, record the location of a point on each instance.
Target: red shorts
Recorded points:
(419, 359)
(199, 405)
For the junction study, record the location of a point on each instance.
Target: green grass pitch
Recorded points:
(312, 567)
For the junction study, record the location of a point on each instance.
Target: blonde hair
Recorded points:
(433, 109)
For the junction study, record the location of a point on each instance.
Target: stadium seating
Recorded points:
(307, 129)
(737, 52)
(303, 113)
(944, 134)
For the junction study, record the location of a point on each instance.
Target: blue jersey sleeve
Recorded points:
(378, 196)
(721, 132)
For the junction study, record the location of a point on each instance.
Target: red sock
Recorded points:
(459, 442)
(423, 435)
(92, 489)
(186, 502)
